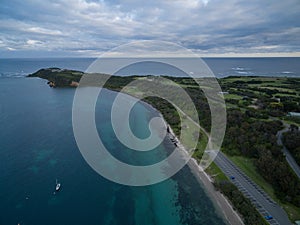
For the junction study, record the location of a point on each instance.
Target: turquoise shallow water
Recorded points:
(37, 146)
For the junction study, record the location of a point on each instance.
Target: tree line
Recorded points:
(256, 139)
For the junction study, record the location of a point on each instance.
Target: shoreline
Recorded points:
(220, 202)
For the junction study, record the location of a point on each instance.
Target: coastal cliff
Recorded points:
(70, 78)
(59, 77)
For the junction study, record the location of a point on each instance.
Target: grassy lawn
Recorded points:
(247, 166)
(203, 141)
(292, 211)
(188, 132)
(286, 120)
(215, 172)
(282, 89)
(232, 96)
(269, 80)
(198, 153)
(231, 106)
(284, 95)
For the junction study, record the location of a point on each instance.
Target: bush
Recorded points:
(241, 203)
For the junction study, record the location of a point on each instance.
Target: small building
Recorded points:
(294, 114)
(297, 222)
(277, 99)
(223, 92)
(55, 70)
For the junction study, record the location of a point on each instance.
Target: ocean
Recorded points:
(221, 67)
(37, 146)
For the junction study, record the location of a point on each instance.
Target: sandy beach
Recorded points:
(219, 200)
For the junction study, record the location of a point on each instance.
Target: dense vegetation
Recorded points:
(59, 77)
(198, 97)
(169, 113)
(257, 139)
(64, 78)
(291, 140)
(241, 203)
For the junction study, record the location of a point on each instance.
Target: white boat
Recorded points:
(57, 186)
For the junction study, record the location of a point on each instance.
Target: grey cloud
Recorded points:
(214, 26)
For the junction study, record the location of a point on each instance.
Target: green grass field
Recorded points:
(216, 173)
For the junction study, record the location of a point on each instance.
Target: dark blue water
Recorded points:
(22, 67)
(222, 67)
(37, 146)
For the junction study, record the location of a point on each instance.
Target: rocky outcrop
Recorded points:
(59, 77)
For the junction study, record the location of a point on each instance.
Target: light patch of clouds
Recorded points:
(41, 30)
(10, 49)
(266, 47)
(205, 2)
(189, 3)
(33, 42)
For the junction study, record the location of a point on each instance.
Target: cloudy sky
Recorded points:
(74, 28)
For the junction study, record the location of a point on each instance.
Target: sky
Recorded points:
(87, 28)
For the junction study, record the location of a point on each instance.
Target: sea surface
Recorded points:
(221, 67)
(37, 147)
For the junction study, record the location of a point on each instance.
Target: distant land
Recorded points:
(258, 110)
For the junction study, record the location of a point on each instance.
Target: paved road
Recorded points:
(289, 158)
(264, 204)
